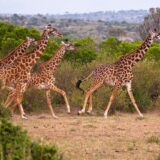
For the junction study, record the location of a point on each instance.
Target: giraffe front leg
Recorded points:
(116, 88)
(48, 95)
(129, 90)
(20, 89)
(90, 104)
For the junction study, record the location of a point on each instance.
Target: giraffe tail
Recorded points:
(80, 81)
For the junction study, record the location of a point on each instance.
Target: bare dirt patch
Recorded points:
(120, 137)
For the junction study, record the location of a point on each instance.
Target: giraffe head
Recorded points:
(31, 41)
(154, 34)
(49, 30)
(68, 46)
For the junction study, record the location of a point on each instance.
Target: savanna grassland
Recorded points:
(120, 137)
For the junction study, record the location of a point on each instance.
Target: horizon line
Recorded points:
(67, 12)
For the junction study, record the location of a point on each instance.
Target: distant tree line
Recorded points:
(151, 22)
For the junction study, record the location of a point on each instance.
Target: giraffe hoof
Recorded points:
(89, 112)
(80, 112)
(56, 117)
(141, 115)
(105, 116)
(69, 112)
(24, 117)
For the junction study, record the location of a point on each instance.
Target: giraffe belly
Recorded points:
(110, 81)
(41, 86)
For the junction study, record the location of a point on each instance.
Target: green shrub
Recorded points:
(4, 113)
(146, 84)
(16, 145)
(44, 152)
(14, 142)
(35, 100)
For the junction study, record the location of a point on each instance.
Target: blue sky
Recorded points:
(72, 6)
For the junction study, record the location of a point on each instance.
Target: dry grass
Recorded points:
(120, 137)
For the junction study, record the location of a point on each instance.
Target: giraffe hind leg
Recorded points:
(94, 87)
(63, 93)
(9, 100)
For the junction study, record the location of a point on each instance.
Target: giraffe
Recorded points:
(17, 75)
(17, 52)
(117, 74)
(45, 79)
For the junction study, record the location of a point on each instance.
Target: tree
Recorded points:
(12, 35)
(151, 22)
(85, 51)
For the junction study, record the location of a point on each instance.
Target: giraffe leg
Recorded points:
(14, 107)
(19, 96)
(91, 90)
(116, 88)
(129, 90)
(9, 99)
(48, 95)
(90, 104)
(63, 93)
(23, 115)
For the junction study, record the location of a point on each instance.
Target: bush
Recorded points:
(44, 152)
(14, 142)
(35, 100)
(16, 145)
(4, 113)
(146, 84)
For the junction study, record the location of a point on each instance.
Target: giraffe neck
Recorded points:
(15, 53)
(139, 53)
(52, 64)
(29, 59)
